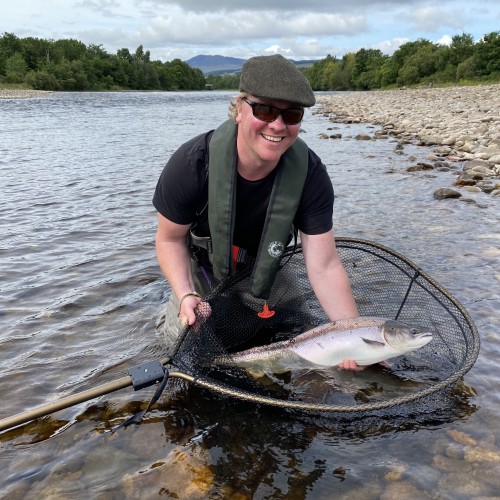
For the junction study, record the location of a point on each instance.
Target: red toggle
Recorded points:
(266, 312)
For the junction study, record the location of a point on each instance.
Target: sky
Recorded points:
(306, 29)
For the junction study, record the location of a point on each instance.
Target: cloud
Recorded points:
(301, 30)
(445, 40)
(314, 6)
(195, 29)
(431, 18)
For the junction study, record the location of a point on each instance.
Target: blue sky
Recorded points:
(297, 29)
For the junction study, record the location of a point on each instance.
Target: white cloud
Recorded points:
(184, 28)
(445, 40)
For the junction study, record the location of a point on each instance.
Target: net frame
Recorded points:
(404, 293)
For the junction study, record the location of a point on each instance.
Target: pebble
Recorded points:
(460, 124)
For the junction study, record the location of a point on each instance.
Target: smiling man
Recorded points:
(232, 197)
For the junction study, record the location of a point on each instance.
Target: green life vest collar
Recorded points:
(283, 204)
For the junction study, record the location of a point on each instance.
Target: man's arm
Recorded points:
(175, 262)
(327, 275)
(329, 280)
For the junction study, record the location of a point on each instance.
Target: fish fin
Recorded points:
(373, 343)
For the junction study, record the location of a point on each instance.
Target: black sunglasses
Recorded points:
(268, 113)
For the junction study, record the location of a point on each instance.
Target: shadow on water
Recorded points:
(216, 444)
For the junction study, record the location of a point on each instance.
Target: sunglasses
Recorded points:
(267, 113)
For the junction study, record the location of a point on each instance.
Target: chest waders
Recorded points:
(283, 204)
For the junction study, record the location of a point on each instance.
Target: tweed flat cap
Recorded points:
(277, 78)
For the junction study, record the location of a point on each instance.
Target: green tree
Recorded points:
(341, 77)
(15, 68)
(366, 70)
(419, 62)
(461, 48)
(487, 55)
(9, 45)
(42, 80)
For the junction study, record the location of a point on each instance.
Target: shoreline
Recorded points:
(460, 124)
(22, 93)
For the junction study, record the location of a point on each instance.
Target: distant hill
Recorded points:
(217, 65)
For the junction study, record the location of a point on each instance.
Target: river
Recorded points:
(80, 291)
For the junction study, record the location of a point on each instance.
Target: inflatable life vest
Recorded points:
(283, 204)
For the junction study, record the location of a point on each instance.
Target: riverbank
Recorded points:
(22, 93)
(461, 124)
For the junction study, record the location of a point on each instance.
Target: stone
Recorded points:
(444, 193)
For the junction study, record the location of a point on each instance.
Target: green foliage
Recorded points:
(420, 62)
(69, 64)
(72, 65)
(223, 82)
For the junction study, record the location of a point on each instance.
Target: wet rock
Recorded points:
(397, 473)
(402, 489)
(419, 167)
(465, 182)
(363, 137)
(460, 484)
(461, 437)
(448, 464)
(444, 193)
(479, 454)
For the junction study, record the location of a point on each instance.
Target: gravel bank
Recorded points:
(22, 93)
(461, 124)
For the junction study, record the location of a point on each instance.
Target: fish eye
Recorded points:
(414, 331)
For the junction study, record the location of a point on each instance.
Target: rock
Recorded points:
(419, 167)
(363, 137)
(462, 485)
(494, 159)
(444, 193)
(402, 489)
(460, 123)
(461, 437)
(464, 182)
(479, 454)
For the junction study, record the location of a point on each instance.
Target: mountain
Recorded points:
(213, 65)
(216, 64)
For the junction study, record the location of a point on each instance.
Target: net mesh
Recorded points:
(384, 283)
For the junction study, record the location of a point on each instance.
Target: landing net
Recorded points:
(385, 284)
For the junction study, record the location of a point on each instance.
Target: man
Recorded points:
(234, 194)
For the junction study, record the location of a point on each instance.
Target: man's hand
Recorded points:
(349, 364)
(194, 310)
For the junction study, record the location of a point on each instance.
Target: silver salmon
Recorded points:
(365, 340)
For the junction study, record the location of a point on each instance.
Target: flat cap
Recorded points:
(277, 78)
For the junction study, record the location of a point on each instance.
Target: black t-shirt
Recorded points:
(181, 195)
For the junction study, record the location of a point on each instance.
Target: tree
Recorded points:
(461, 48)
(366, 70)
(15, 68)
(419, 62)
(487, 55)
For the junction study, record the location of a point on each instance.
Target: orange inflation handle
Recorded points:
(266, 312)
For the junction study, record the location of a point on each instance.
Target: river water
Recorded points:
(80, 290)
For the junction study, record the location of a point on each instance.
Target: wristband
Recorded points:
(185, 296)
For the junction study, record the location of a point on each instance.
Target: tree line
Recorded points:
(414, 63)
(71, 65)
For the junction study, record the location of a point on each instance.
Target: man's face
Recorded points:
(264, 142)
